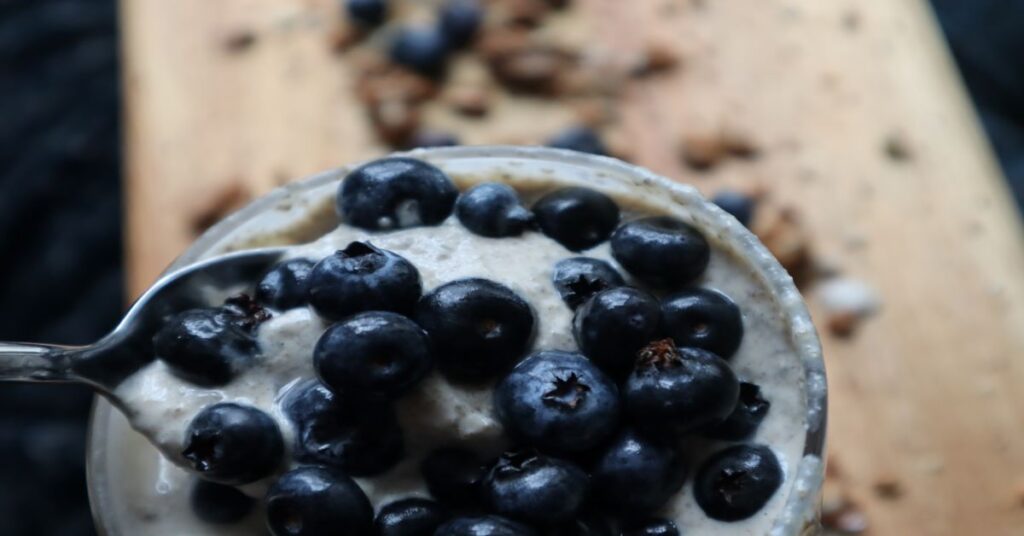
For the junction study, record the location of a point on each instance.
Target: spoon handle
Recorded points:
(29, 362)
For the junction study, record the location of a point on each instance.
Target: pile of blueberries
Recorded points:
(597, 435)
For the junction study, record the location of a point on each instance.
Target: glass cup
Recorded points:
(282, 217)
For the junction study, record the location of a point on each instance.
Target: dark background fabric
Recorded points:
(60, 214)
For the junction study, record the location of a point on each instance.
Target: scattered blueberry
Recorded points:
(741, 206)
(488, 525)
(359, 439)
(661, 251)
(395, 193)
(373, 354)
(432, 138)
(535, 488)
(679, 389)
(613, 325)
(478, 327)
(588, 523)
(423, 49)
(576, 217)
(460, 20)
(286, 285)
(317, 501)
(737, 482)
(636, 475)
(744, 420)
(362, 277)
(492, 209)
(367, 13)
(651, 527)
(703, 318)
(204, 346)
(558, 401)
(219, 504)
(578, 138)
(578, 278)
(453, 476)
(414, 516)
(233, 444)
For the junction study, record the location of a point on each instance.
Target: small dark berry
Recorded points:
(636, 476)
(535, 488)
(460, 20)
(581, 139)
(578, 278)
(433, 138)
(362, 277)
(233, 444)
(578, 218)
(453, 476)
(489, 525)
(218, 504)
(493, 210)
(367, 13)
(744, 420)
(414, 516)
(423, 49)
(206, 347)
(613, 325)
(317, 501)
(661, 251)
(394, 193)
(703, 318)
(735, 483)
(286, 285)
(588, 523)
(741, 206)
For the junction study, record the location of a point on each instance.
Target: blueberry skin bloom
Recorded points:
(394, 193)
(205, 346)
(661, 251)
(423, 49)
(744, 419)
(735, 483)
(740, 206)
(651, 527)
(679, 389)
(703, 318)
(489, 525)
(613, 325)
(460, 20)
(363, 277)
(233, 444)
(535, 488)
(218, 504)
(578, 278)
(374, 354)
(317, 501)
(558, 401)
(578, 218)
(636, 475)
(285, 285)
(493, 210)
(414, 516)
(478, 327)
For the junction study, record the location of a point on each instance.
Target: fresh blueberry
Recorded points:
(359, 439)
(661, 251)
(578, 138)
(635, 475)
(679, 389)
(218, 504)
(393, 193)
(703, 318)
(286, 285)
(414, 516)
(736, 482)
(558, 401)
(362, 277)
(479, 327)
(318, 501)
(233, 444)
(744, 420)
(741, 206)
(373, 354)
(367, 13)
(576, 217)
(205, 346)
(423, 49)
(460, 20)
(613, 325)
(578, 278)
(432, 138)
(588, 523)
(453, 476)
(489, 525)
(493, 210)
(651, 527)
(535, 488)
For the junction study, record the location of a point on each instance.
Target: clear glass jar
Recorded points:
(281, 217)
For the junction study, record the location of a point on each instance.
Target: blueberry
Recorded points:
(613, 325)
(679, 389)
(479, 327)
(453, 476)
(703, 318)
(373, 354)
(488, 525)
(423, 49)
(394, 193)
(661, 251)
(578, 218)
(744, 419)
(233, 444)
(636, 475)
(460, 20)
(285, 285)
(362, 277)
(433, 138)
(736, 482)
(359, 439)
(588, 523)
(219, 504)
(318, 501)
(558, 401)
(651, 527)
(578, 278)
(579, 138)
(493, 210)
(205, 346)
(535, 488)
(367, 13)
(410, 517)
(741, 206)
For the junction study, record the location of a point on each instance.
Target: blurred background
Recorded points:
(61, 279)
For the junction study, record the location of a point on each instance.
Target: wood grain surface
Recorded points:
(862, 127)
